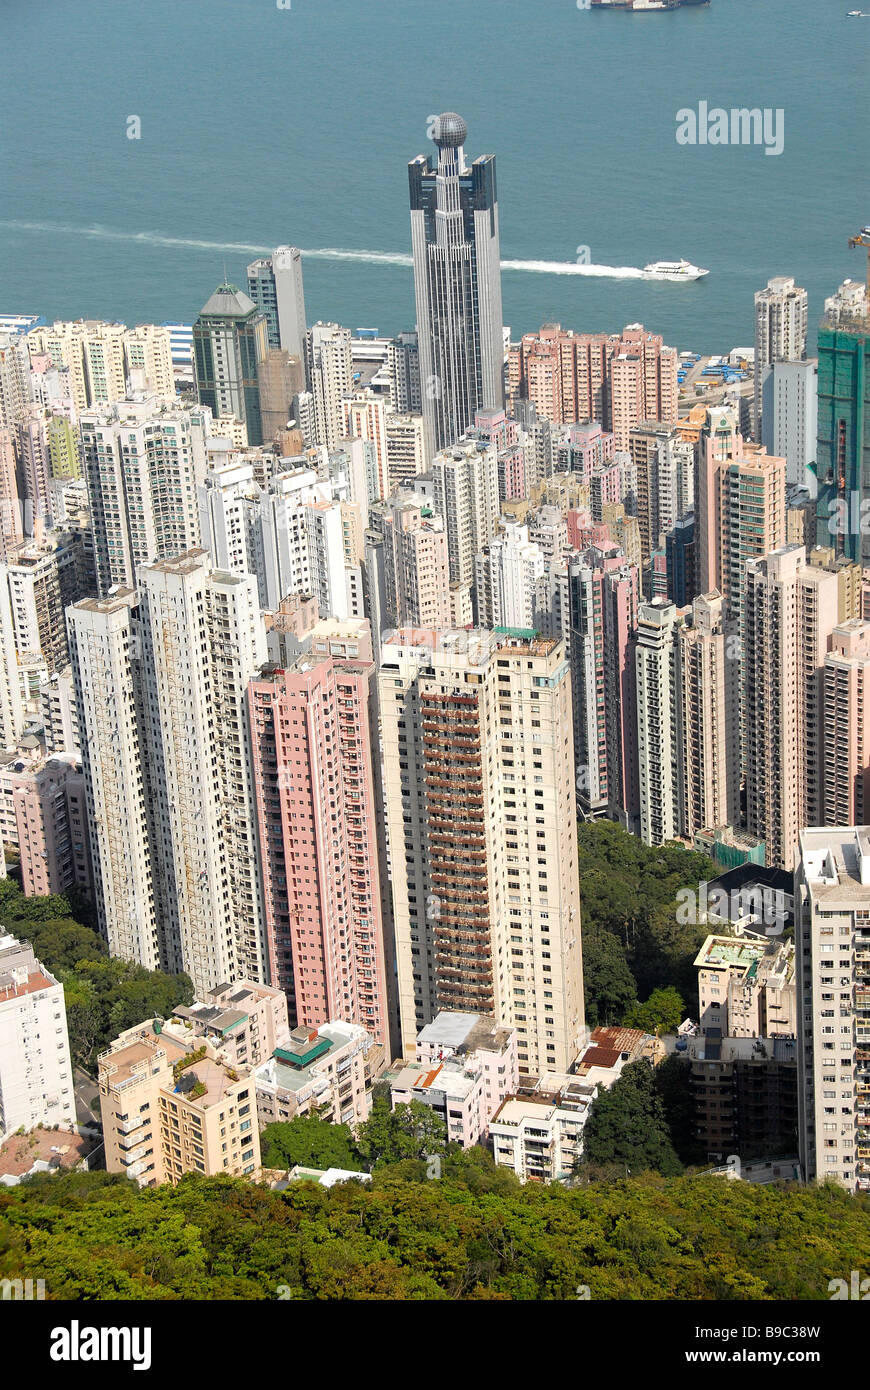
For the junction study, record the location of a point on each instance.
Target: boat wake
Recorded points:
(323, 253)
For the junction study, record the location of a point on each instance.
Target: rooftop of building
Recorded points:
(188, 562)
(727, 952)
(58, 1149)
(299, 1061)
(449, 1076)
(464, 1033)
(836, 863)
(708, 1048)
(609, 1046)
(117, 598)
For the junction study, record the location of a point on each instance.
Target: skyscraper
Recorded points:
(843, 451)
(312, 768)
(275, 286)
(832, 940)
(230, 340)
(144, 459)
(329, 368)
(780, 332)
(457, 283)
(482, 838)
(789, 615)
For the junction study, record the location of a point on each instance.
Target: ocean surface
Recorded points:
(263, 125)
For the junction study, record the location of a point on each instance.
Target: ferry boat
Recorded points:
(673, 270)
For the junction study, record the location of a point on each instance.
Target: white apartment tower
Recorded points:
(36, 1078)
(659, 764)
(465, 483)
(330, 378)
(790, 613)
(780, 332)
(832, 939)
(202, 641)
(144, 459)
(105, 653)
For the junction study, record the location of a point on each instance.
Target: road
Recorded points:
(86, 1092)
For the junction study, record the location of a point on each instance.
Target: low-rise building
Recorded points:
(244, 1022)
(326, 1069)
(539, 1133)
(170, 1109)
(36, 1080)
(465, 1066)
(744, 1057)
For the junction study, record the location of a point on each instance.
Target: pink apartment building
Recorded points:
(314, 791)
(574, 377)
(52, 824)
(466, 1065)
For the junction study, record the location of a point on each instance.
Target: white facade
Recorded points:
(789, 415)
(144, 460)
(657, 752)
(36, 1078)
(104, 650)
(465, 491)
(832, 940)
(330, 377)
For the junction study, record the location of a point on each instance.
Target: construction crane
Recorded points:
(863, 239)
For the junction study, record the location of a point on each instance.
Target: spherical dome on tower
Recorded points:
(450, 130)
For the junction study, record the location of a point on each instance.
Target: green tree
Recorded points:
(664, 1011)
(673, 1078)
(608, 983)
(409, 1131)
(311, 1142)
(627, 1125)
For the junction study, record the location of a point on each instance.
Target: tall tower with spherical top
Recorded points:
(457, 283)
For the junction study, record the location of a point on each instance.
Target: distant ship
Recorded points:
(673, 270)
(643, 6)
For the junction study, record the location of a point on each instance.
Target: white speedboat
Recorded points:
(673, 270)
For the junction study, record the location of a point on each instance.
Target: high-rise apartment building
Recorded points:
(789, 417)
(14, 377)
(406, 449)
(601, 612)
(846, 717)
(832, 939)
(315, 809)
(365, 417)
(105, 651)
(230, 340)
(465, 483)
(740, 508)
(100, 358)
(36, 1079)
(144, 459)
(161, 693)
(481, 829)
(52, 821)
(790, 612)
(618, 380)
(416, 571)
(202, 641)
(708, 729)
(275, 286)
(659, 769)
(780, 332)
(508, 576)
(665, 471)
(329, 365)
(457, 283)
